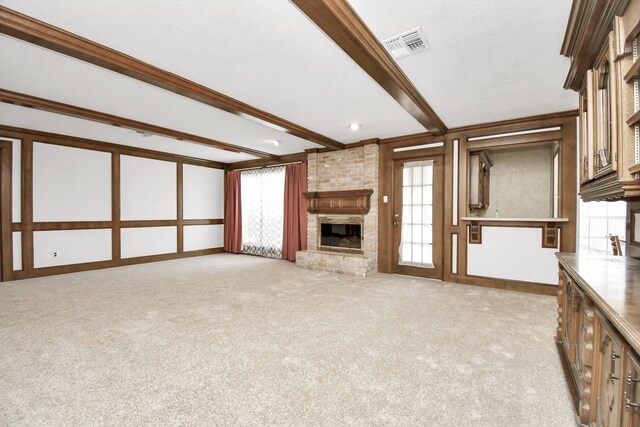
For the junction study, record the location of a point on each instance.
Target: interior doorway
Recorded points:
(418, 201)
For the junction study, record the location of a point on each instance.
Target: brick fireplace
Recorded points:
(335, 171)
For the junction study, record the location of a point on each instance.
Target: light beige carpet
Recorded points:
(237, 340)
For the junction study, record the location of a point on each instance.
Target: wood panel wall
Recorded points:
(27, 227)
(566, 136)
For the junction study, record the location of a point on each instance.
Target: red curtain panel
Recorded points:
(295, 211)
(233, 214)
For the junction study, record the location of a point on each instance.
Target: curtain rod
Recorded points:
(269, 166)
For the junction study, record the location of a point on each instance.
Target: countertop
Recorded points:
(613, 283)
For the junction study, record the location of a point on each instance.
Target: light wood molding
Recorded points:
(42, 104)
(589, 24)
(48, 36)
(343, 25)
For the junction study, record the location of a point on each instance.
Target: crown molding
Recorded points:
(590, 22)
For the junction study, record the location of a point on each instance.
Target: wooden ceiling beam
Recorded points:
(26, 28)
(343, 25)
(42, 104)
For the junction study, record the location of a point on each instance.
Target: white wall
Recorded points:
(144, 241)
(17, 250)
(70, 184)
(71, 247)
(147, 189)
(514, 253)
(198, 237)
(203, 192)
(73, 184)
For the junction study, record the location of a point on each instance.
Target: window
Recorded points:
(417, 214)
(598, 220)
(262, 194)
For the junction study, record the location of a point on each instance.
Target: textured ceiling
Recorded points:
(21, 117)
(482, 66)
(265, 53)
(47, 74)
(488, 60)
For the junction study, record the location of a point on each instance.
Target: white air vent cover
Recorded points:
(406, 44)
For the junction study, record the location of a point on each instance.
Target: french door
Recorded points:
(418, 199)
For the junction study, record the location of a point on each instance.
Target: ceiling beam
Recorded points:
(343, 25)
(29, 101)
(42, 34)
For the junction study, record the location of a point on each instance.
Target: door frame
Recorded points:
(438, 218)
(6, 210)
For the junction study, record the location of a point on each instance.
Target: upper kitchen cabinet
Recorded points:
(602, 42)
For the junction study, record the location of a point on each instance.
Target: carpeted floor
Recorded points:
(236, 340)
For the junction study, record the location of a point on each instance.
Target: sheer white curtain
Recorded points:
(262, 211)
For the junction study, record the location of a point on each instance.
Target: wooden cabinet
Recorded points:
(601, 345)
(609, 380)
(631, 383)
(479, 180)
(606, 78)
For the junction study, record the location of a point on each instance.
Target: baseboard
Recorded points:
(98, 265)
(571, 385)
(511, 285)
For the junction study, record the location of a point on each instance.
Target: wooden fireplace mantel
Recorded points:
(347, 202)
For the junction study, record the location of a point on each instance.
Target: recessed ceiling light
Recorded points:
(354, 126)
(275, 142)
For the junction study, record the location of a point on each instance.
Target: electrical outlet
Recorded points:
(55, 254)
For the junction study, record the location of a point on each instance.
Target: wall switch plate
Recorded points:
(385, 199)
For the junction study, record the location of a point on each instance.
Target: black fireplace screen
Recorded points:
(341, 235)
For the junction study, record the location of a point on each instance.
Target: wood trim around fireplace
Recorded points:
(348, 202)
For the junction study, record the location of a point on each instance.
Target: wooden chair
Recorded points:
(615, 245)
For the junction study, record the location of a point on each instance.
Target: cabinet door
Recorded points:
(631, 411)
(571, 335)
(609, 384)
(563, 306)
(584, 324)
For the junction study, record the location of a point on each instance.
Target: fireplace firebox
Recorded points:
(340, 234)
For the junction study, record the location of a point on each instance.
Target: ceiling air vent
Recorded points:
(406, 44)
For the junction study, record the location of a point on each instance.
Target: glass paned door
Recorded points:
(416, 239)
(418, 215)
(262, 197)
